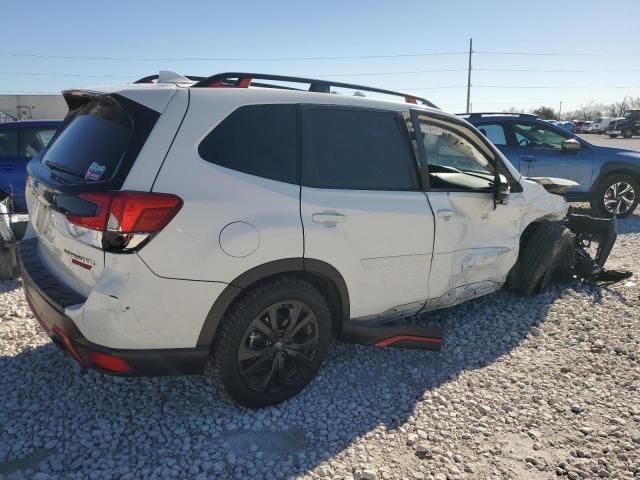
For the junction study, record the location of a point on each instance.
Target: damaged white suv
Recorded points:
(242, 222)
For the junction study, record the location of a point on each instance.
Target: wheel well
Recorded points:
(528, 231)
(335, 295)
(616, 171)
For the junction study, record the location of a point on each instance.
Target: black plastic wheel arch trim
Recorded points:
(613, 168)
(261, 272)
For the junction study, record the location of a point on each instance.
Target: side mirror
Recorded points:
(501, 190)
(571, 145)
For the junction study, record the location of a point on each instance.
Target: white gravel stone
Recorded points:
(553, 378)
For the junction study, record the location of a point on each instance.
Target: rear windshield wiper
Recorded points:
(61, 168)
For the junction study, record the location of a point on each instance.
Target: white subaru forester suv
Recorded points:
(240, 223)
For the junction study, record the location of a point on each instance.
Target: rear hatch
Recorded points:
(70, 185)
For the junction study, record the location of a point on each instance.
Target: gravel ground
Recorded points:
(533, 388)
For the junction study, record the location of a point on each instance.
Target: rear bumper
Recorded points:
(48, 300)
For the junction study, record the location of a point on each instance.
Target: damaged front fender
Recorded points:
(575, 248)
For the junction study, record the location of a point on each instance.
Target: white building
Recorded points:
(38, 107)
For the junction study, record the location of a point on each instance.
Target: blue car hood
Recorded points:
(612, 154)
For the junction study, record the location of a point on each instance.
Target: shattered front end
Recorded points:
(593, 240)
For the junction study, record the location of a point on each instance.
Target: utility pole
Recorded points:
(469, 76)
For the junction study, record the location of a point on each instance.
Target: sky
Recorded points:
(408, 44)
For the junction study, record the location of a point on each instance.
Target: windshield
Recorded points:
(90, 147)
(628, 114)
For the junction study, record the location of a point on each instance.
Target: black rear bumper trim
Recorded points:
(48, 299)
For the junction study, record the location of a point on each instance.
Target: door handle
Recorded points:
(446, 214)
(330, 219)
(528, 158)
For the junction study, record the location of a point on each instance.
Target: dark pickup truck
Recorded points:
(627, 126)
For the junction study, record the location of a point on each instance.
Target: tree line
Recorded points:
(585, 112)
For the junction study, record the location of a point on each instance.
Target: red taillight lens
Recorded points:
(124, 215)
(97, 221)
(133, 212)
(108, 362)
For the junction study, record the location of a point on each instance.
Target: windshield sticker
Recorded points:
(95, 171)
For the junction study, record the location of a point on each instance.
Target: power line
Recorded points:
(354, 74)
(558, 54)
(551, 70)
(38, 74)
(42, 74)
(230, 59)
(520, 87)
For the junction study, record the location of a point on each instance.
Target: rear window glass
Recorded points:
(90, 147)
(260, 140)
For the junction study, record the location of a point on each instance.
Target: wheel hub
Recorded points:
(619, 198)
(278, 346)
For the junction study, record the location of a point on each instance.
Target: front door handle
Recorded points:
(330, 219)
(528, 158)
(446, 214)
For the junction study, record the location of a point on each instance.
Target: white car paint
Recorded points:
(397, 251)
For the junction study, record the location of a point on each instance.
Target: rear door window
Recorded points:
(91, 146)
(259, 140)
(356, 149)
(8, 142)
(34, 139)
(495, 133)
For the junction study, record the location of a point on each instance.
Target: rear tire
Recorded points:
(538, 258)
(261, 361)
(627, 133)
(608, 195)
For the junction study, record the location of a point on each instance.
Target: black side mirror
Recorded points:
(501, 190)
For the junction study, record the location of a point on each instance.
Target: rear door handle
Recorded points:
(446, 214)
(330, 219)
(528, 158)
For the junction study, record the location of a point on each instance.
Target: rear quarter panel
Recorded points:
(260, 217)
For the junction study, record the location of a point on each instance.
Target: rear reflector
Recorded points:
(108, 362)
(68, 346)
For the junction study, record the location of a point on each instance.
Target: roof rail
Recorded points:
(504, 114)
(244, 80)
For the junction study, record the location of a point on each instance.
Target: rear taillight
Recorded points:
(123, 221)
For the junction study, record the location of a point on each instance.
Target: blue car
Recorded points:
(566, 125)
(608, 178)
(19, 142)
